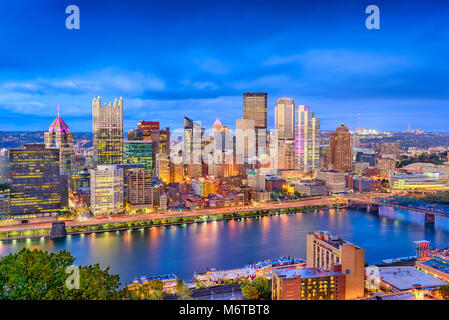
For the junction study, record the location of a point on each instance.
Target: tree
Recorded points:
(182, 291)
(444, 290)
(250, 291)
(263, 287)
(39, 275)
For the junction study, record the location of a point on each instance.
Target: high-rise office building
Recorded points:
(36, 183)
(139, 187)
(245, 140)
(163, 167)
(58, 136)
(390, 150)
(138, 152)
(160, 138)
(192, 148)
(339, 154)
(107, 132)
(307, 139)
(106, 189)
(255, 108)
(284, 118)
(286, 155)
(325, 250)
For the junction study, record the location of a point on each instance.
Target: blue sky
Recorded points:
(170, 59)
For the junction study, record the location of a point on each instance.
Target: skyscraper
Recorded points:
(192, 148)
(255, 108)
(106, 189)
(245, 140)
(139, 187)
(36, 184)
(339, 154)
(58, 136)
(107, 132)
(284, 117)
(307, 139)
(138, 152)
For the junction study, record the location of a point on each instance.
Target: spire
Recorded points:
(58, 125)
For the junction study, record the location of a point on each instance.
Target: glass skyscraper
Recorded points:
(307, 139)
(107, 132)
(138, 152)
(36, 184)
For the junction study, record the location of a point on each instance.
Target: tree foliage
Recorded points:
(40, 275)
(444, 290)
(263, 287)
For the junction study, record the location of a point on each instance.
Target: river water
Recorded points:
(233, 243)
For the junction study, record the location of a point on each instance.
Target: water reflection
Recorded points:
(233, 243)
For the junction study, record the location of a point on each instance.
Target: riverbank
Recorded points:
(149, 222)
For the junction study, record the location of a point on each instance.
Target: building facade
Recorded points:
(138, 152)
(58, 136)
(339, 155)
(107, 132)
(36, 183)
(284, 119)
(307, 140)
(325, 249)
(106, 189)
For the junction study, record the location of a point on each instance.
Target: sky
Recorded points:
(169, 59)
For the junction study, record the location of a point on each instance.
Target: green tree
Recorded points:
(182, 291)
(263, 287)
(444, 290)
(39, 275)
(250, 291)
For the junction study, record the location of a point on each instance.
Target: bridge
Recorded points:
(372, 204)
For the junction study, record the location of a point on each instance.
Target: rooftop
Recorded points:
(305, 273)
(437, 264)
(404, 278)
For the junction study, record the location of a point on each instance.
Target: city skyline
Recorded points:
(192, 62)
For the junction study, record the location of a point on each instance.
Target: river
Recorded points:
(233, 243)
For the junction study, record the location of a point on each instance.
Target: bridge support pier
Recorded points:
(429, 220)
(372, 208)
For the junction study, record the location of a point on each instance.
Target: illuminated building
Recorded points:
(163, 201)
(36, 183)
(107, 132)
(335, 181)
(138, 152)
(339, 155)
(204, 187)
(160, 138)
(176, 172)
(5, 204)
(78, 179)
(309, 284)
(256, 180)
(325, 250)
(284, 119)
(307, 139)
(126, 169)
(163, 167)
(58, 136)
(255, 108)
(390, 150)
(419, 181)
(139, 187)
(386, 166)
(106, 189)
(4, 165)
(192, 148)
(245, 140)
(286, 155)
